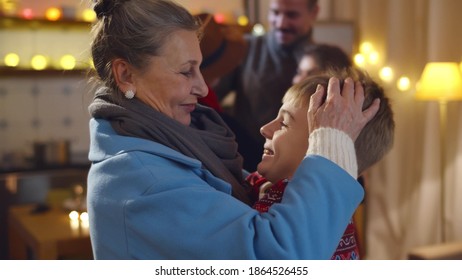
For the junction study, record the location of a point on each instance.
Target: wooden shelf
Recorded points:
(37, 23)
(63, 27)
(13, 72)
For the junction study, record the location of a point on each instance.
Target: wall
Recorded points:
(42, 109)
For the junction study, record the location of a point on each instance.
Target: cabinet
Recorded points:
(51, 39)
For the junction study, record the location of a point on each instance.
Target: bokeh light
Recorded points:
(88, 15)
(27, 13)
(258, 29)
(84, 216)
(403, 83)
(11, 60)
(74, 215)
(219, 18)
(359, 60)
(39, 62)
(386, 74)
(373, 58)
(366, 47)
(53, 14)
(243, 21)
(67, 62)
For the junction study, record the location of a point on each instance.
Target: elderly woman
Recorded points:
(166, 181)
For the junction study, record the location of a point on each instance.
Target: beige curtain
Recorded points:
(404, 190)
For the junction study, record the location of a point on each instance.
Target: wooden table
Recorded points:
(48, 235)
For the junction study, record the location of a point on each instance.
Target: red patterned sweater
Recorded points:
(348, 247)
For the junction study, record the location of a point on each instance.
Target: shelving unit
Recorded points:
(14, 72)
(17, 22)
(52, 38)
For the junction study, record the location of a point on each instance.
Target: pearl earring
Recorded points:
(129, 94)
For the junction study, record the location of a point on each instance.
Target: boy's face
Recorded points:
(286, 143)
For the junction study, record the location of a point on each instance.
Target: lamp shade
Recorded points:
(440, 81)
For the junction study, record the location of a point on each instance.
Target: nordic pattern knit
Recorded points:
(348, 247)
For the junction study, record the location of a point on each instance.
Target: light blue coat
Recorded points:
(147, 201)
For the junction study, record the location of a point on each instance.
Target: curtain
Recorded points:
(402, 206)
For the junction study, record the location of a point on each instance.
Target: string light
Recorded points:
(258, 29)
(53, 14)
(67, 62)
(386, 74)
(243, 21)
(11, 60)
(373, 58)
(39, 62)
(219, 18)
(27, 13)
(366, 47)
(88, 15)
(359, 60)
(404, 83)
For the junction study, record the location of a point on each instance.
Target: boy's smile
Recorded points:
(286, 143)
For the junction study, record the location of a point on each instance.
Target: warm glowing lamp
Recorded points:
(442, 82)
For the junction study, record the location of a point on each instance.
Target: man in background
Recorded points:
(267, 71)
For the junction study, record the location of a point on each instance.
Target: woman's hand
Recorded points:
(341, 110)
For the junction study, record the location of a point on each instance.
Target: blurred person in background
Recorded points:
(266, 72)
(319, 58)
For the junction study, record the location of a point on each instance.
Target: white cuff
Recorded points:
(336, 146)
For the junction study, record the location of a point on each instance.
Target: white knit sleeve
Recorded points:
(336, 146)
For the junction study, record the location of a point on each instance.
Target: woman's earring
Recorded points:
(129, 94)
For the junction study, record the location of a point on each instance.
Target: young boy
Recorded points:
(287, 141)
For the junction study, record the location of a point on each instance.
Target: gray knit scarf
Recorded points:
(208, 139)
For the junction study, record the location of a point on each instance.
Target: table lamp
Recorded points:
(442, 82)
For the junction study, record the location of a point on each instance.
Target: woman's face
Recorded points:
(172, 82)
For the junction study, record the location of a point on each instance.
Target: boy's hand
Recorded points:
(341, 110)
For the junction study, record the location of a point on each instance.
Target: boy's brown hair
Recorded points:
(376, 139)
